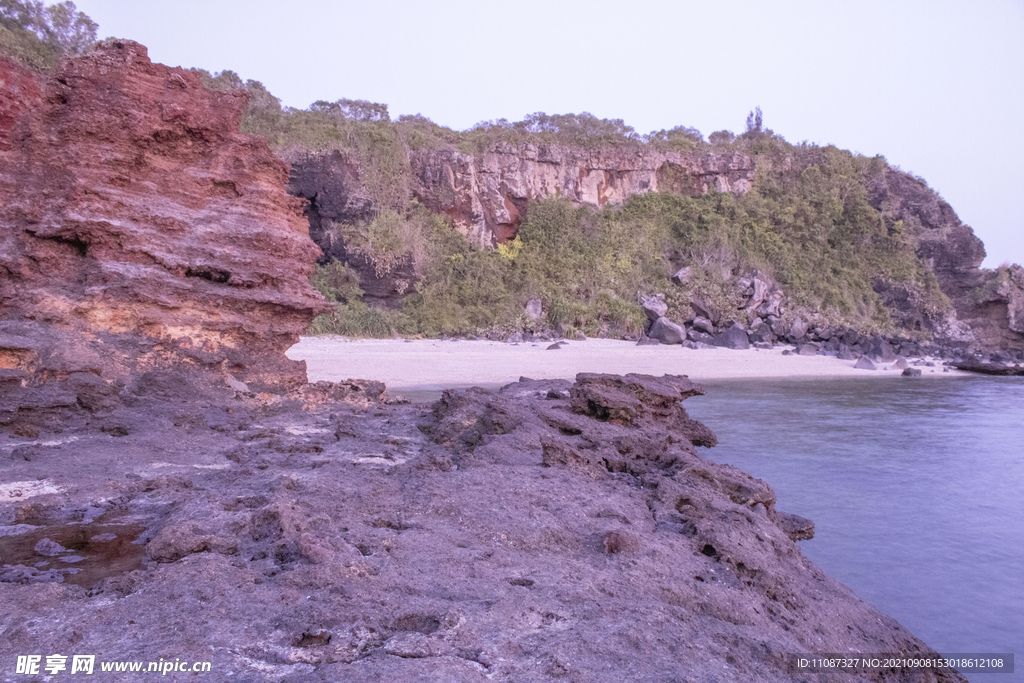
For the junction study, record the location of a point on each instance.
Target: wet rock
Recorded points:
(911, 372)
(988, 368)
(174, 542)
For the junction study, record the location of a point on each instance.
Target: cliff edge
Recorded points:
(141, 230)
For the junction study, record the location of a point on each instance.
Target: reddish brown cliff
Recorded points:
(141, 230)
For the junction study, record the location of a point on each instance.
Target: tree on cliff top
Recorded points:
(38, 36)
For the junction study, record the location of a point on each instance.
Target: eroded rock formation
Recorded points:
(551, 531)
(139, 230)
(486, 195)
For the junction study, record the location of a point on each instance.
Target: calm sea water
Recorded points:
(916, 488)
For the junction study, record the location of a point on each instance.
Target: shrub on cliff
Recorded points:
(38, 36)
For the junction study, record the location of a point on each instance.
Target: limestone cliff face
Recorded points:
(139, 229)
(486, 194)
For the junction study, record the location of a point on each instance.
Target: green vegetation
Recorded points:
(808, 223)
(38, 36)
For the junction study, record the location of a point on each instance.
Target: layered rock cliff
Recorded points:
(486, 195)
(140, 230)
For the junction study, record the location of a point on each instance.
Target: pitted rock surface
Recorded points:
(493, 537)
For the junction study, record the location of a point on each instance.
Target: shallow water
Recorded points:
(915, 487)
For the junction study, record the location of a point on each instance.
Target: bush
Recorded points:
(39, 36)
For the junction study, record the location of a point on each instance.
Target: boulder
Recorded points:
(703, 310)
(808, 349)
(881, 349)
(850, 337)
(733, 338)
(515, 338)
(900, 364)
(667, 332)
(654, 306)
(911, 372)
(698, 336)
(760, 334)
(648, 341)
(682, 276)
(864, 363)
(798, 329)
(766, 297)
(703, 324)
(845, 353)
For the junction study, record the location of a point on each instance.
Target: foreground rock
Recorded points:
(990, 368)
(553, 530)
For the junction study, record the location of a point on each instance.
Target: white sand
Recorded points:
(430, 364)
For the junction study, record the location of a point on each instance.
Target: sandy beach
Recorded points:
(432, 365)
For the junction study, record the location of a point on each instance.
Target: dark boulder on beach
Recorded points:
(808, 349)
(667, 332)
(864, 363)
(734, 337)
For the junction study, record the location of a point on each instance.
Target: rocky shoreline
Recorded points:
(174, 489)
(553, 530)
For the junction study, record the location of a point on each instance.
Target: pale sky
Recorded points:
(936, 87)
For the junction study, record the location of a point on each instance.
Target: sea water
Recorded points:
(915, 485)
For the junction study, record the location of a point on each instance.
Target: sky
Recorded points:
(936, 87)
